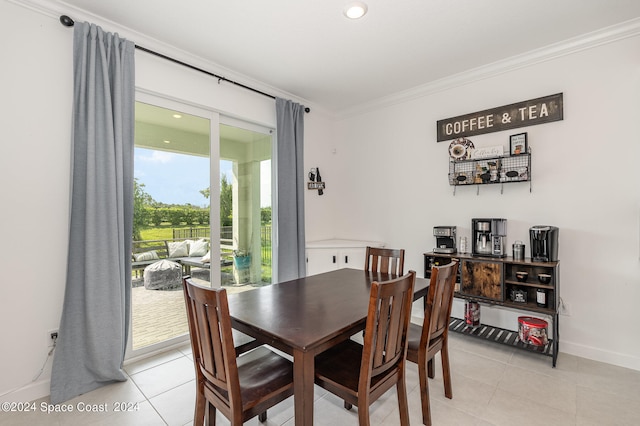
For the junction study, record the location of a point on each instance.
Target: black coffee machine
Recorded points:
(544, 243)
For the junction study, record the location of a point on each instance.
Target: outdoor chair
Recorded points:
(360, 374)
(241, 387)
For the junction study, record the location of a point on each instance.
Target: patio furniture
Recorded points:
(162, 275)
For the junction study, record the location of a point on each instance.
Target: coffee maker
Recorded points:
(544, 243)
(445, 239)
(489, 237)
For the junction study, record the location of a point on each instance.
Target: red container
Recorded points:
(532, 330)
(472, 314)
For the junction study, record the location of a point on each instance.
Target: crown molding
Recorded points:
(567, 47)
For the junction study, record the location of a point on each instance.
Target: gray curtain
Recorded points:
(290, 190)
(95, 315)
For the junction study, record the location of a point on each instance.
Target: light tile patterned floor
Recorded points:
(492, 385)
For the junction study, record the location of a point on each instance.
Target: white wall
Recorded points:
(36, 87)
(392, 186)
(584, 181)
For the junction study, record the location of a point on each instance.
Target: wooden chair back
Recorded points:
(214, 353)
(241, 388)
(385, 335)
(384, 260)
(437, 312)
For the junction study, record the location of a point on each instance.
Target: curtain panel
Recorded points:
(290, 190)
(95, 317)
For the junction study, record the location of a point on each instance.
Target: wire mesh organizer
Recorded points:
(494, 170)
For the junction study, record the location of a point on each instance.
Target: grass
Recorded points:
(162, 232)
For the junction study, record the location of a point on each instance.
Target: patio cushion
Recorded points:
(198, 248)
(147, 255)
(162, 275)
(178, 248)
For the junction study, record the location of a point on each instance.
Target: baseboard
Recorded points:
(31, 392)
(597, 354)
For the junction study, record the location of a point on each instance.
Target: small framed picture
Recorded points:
(518, 144)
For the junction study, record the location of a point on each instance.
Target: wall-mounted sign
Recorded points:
(521, 114)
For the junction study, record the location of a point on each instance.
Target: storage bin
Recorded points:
(532, 330)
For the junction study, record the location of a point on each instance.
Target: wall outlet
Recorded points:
(565, 309)
(52, 336)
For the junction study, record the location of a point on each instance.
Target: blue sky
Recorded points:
(178, 178)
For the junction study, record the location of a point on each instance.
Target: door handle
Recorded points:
(334, 259)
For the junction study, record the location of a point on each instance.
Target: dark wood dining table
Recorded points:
(306, 316)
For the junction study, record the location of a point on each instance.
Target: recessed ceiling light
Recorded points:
(166, 141)
(177, 116)
(355, 10)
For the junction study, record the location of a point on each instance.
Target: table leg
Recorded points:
(303, 379)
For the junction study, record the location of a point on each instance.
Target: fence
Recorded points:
(226, 238)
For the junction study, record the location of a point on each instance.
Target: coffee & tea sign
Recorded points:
(527, 113)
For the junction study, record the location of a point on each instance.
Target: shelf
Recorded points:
(500, 335)
(527, 284)
(507, 282)
(488, 171)
(527, 306)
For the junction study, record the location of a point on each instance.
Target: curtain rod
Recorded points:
(68, 22)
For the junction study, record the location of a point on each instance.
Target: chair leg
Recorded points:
(403, 405)
(424, 393)
(446, 372)
(198, 415)
(211, 415)
(431, 369)
(363, 414)
(262, 417)
(347, 405)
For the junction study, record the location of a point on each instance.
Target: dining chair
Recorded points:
(241, 387)
(384, 260)
(433, 337)
(360, 374)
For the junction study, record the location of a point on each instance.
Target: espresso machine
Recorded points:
(489, 237)
(544, 243)
(445, 239)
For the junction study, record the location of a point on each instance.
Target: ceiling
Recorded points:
(307, 48)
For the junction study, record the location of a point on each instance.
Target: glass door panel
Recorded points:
(172, 218)
(245, 205)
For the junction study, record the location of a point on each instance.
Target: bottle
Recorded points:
(541, 298)
(463, 244)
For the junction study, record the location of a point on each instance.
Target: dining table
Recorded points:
(306, 316)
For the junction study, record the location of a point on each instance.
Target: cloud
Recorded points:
(158, 157)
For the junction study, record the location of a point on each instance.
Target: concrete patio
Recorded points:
(158, 315)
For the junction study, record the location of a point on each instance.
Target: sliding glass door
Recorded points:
(203, 207)
(245, 205)
(173, 231)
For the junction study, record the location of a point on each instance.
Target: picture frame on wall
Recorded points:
(518, 144)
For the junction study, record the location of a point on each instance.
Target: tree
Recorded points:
(140, 214)
(226, 201)
(265, 215)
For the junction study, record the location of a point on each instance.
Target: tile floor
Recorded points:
(492, 385)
